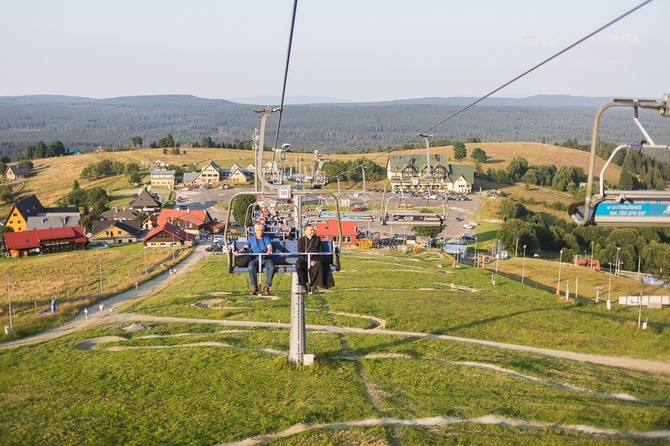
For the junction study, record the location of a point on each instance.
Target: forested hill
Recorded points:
(88, 123)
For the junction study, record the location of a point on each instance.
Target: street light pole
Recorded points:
(558, 284)
(523, 267)
(592, 244)
(145, 260)
(617, 271)
(476, 251)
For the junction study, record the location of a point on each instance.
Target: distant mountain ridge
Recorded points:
(170, 99)
(537, 100)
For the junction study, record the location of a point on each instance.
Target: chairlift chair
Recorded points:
(624, 207)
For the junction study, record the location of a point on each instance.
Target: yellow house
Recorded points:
(114, 231)
(29, 214)
(239, 175)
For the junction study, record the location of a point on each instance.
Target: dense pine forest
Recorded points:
(120, 122)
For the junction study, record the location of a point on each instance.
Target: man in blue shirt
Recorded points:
(259, 243)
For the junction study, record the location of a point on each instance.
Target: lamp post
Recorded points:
(558, 284)
(592, 244)
(499, 254)
(9, 299)
(617, 272)
(476, 251)
(523, 264)
(145, 259)
(609, 289)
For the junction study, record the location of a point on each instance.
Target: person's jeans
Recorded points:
(268, 266)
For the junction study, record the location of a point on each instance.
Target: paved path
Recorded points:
(80, 322)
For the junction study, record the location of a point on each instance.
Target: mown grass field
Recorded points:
(203, 383)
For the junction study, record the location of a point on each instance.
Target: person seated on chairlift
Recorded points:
(285, 229)
(259, 243)
(318, 273)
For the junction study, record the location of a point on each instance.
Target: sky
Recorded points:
(345, 50)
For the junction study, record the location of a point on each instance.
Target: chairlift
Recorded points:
(283, 194)
(642, 208)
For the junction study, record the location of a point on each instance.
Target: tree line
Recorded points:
(107, 168)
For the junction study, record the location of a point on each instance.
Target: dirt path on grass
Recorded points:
(80, 321)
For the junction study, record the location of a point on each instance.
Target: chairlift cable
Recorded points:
(564, 50)
(283, 93)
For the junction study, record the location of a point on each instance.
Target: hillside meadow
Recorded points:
(201, 380)
(75, 279)
(55, 176)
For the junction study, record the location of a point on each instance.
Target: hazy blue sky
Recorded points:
(357, 50)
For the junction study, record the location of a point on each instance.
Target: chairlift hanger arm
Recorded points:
(664, 109)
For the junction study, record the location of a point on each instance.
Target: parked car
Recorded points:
(356, 209)
(214, 248)
(468, 226)
(467, 236)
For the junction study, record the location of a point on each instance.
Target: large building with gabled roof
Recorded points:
(414, 172)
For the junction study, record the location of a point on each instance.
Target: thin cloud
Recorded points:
(626, 40)
(532, 40)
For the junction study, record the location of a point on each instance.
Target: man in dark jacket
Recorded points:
(313, 271)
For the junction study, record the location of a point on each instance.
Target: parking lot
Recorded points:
(459, 212)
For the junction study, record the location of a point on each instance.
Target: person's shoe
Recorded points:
(254, 291)
(266, 290)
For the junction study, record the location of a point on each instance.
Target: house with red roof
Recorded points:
(168, 235)
(192, 221)
(44, 241)
(330, 231)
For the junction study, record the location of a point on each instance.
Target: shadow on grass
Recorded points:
(529, 282)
